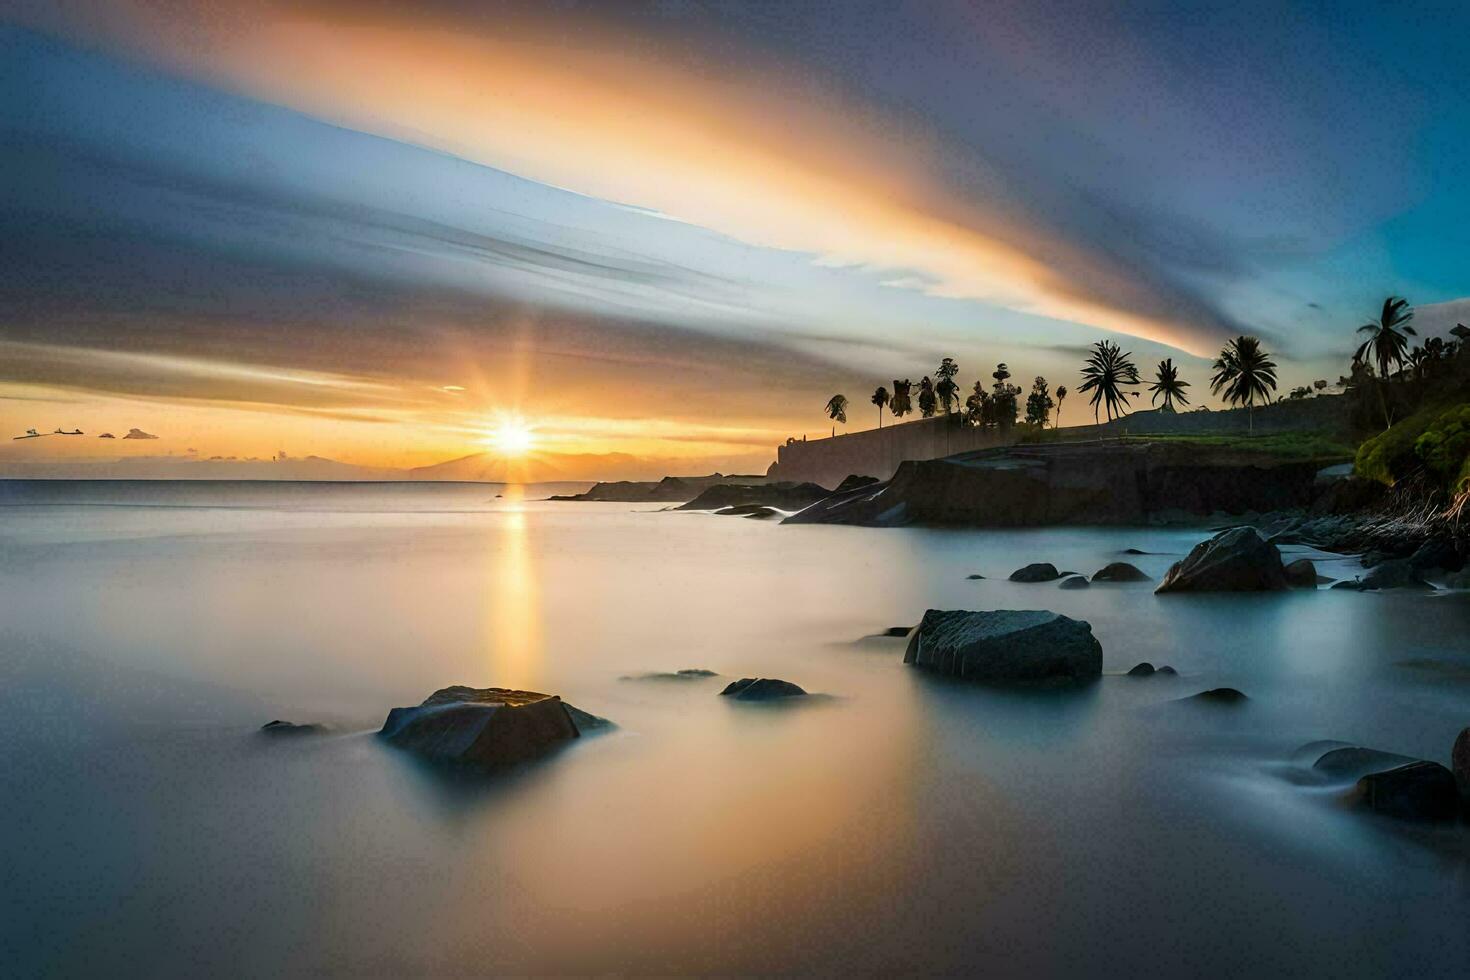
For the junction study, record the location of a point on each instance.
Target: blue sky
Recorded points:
(674, 228)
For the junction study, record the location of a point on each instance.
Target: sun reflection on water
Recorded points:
(515, 633)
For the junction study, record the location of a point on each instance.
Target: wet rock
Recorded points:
(1119, 571)
(854, 482)
(1460, 761)
(1353, 584)
(1144, 669)
(1397, 573)
(1416, 791)
(974, 576)
(1218, 695)
(1166, 669)
(687, 674)
(761, 689)
(1437, 555)
(1350, 762)
(1237, 560)
(756, 511)
(486, 728)
(290, 728)
(1041, 571)
(1074, 582)
(1301, 574)
(1005, 645)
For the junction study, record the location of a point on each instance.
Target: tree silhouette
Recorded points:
(1039, 403)
(977, 406)
(1107, 372)
(1246, 374)
(1061, 397)
(837, 410)
(899, 403)
(1388, 336)
(1168, 386)
(945, 387)
(928, 404)
(880, 398)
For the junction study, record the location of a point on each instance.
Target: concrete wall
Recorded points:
(877, 452)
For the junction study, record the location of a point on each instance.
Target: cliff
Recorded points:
(1074, 483)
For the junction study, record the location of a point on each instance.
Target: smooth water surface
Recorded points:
(900, 824)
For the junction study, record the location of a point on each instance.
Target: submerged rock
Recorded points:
(761, 689)
(1417, 791)
(1074, 582)
(1397, 573)
(278, 727)
(1352, 761)
(486, 728)
(687, 674)
(1166, 669)
(1119, 571)
(1041, 571)
(1301, 574)
(974, 576)
(1005, 645)
(1237, 560)
(1218, 695)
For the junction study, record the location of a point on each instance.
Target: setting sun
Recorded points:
(511, 436)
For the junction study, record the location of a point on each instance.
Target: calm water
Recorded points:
(903, 824)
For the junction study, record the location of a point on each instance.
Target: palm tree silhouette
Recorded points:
(1246, 373)
(1169, 386)
(945, 387)
(1388, 336)
(1108, 370)
(1061, 397)
(880, 398)
(899, 404)
(837, 410)
(928, 404)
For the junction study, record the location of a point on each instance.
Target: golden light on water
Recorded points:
(515, 600)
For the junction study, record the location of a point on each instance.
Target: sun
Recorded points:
(511, 436)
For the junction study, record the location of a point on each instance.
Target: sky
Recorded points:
(662, 235)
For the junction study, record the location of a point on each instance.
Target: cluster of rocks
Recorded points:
(1396, 785)
(1118, 571)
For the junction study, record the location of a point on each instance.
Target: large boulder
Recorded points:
(1040, 571)
(486, 728)
(1001, 645)
(1119, 571)
(1417, 791)
(1236, 560)
(290, 728)
(1354, 761)
(1396, 573)
(1074, 582)
(761, 689)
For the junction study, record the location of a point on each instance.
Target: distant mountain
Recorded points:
(544, 468)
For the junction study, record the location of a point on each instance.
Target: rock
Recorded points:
(1218, 695)
(1042, 571)
(854, 482)
(1119, 571)
(1005, 645)
(897, 631)
(1437, 555)
(671, 489)
(1135, 551)
(1301, 574)
(278, 728)
(1417, 791)
(1460, 760)
(687, 674)
(486, 728)
(1397, 573)
(1348, 496)
(761, 689)
(1166, 669)
(1074, 582)
(1144, 669)
(1459, 580)
(1349, 583)
(783, 496)
(975, 577)
(750, 510)
(1353, 761)
(1237, 560)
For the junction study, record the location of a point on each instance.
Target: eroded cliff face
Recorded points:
(1073, 484)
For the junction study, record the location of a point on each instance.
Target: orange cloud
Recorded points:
(764, 157)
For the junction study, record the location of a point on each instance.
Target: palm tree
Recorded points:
(1246, 373)
(1061, 397)
(837, 410)
(899, 404)
(928, 404)
(1388, 336)
(880, 398)
(1169, 386)
(1108, 370)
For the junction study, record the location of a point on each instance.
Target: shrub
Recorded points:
(1444, 448)
(1436, 440)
